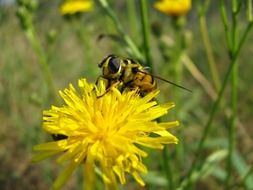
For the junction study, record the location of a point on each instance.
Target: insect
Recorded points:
(129, 74)
(126, 73)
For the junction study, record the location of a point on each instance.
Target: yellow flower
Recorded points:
(173, 7)
(75, 6)
(105, 132)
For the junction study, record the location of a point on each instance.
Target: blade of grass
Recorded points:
(191, 67)
(210, 163)
(243, 169)
(209, 51)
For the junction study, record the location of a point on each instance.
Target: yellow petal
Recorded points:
(51, 146)
(120, 173)
(43, 155)
(168, 125)
(173, 7)
(138, 178)
(71, 7)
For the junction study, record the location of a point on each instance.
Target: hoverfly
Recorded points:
(127, 73)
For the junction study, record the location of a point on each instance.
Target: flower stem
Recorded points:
(178, 52)
(42, 60)
(146, 32)
(132, 16)
(234, 84)
(223, 13)
(232, 127)
(250, 17)
(243, 38)
(167, 168)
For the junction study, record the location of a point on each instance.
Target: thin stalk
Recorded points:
(223, 12)
(249, 11)
(234, 36)
(132, 16)
(234, 6)
(146, 32)
(178, 51)
(167, 169)
(232, 127)
(202, 7)
(177, 94)
(134, 50)
(234, 101)
(209, 51)
(243, 38)
(176, 61)
(178, 75)
(42, 60)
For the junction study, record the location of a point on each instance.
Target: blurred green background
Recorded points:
(23, 91)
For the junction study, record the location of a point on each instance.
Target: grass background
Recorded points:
(23, 93)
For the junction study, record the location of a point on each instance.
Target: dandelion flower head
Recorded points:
(69, 7)
(105, 131)
(173, 7)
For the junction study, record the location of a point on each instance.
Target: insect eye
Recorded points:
(125, 61)
(114, 65)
